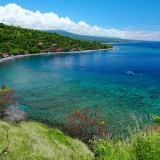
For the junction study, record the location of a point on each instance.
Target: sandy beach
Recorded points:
(50, 53)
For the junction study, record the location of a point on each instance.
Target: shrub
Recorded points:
(14, 114)
(139, 145)
(7, 98)
(103, 148)
(4, 86)
(86, 124)
(156, 119)
(147, 146)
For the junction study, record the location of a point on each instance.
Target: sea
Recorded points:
(50, 87)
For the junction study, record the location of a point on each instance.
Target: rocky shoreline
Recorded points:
(50, 53)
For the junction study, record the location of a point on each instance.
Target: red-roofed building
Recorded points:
(45, 50)
(40, 42)
(58, 49)
(5, 55)
(74, 49)
(26, 52)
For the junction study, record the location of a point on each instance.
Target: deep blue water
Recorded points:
(50, 87)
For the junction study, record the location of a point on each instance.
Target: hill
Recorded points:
(17, 40)
(34, 141)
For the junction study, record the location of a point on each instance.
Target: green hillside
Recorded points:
(17, 40)
(34, 141)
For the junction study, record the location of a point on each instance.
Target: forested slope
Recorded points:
(17, 40)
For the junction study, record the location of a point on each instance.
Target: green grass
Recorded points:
(139, 146)
(34, 141)
(3, 90)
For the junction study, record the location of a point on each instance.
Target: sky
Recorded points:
(129, 19)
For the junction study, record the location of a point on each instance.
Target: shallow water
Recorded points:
(50, 87)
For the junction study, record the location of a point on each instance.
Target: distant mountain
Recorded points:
(89, 38)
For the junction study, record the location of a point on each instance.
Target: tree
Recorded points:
(14, 114)
(1, 55)
(7, 98)
(86, 124)
(2, 25)
(15, 40)
(3, 86)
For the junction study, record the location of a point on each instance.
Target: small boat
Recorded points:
(130, 72)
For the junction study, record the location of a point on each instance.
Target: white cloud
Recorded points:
(144, 35)
(17, 16)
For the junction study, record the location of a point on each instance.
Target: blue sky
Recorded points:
(140, 19)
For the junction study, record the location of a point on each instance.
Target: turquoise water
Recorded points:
(50, 87)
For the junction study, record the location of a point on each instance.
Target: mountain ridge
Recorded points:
(100, 39)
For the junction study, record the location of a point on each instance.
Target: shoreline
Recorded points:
(51, 53)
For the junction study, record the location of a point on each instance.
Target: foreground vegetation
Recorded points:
(139, 146)
(142, 143)
(17, 40)
(34, 141)
(31, 140)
